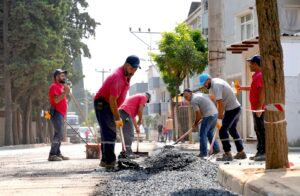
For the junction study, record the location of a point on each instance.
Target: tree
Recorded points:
(7, 77)
(40, 36)
(273, 76)
(182, 53)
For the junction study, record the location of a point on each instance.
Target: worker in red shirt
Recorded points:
(108, 99)
(257, 99)
(132, 107)
(57, 97)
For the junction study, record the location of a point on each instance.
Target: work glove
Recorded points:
(119, 123)
(47, 115)
(219, 124)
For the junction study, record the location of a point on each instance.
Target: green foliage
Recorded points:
(183, 52)
(45, 35)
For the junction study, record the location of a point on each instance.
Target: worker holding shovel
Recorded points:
(204, 108)
(132, 107)
(229, 111)
(110, 96)
(57, 97)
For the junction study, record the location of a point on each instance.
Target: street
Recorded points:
(28, 172)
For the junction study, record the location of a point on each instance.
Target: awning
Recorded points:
(238, 48)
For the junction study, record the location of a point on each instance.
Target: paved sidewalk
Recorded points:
(255, 180)
(249, 178)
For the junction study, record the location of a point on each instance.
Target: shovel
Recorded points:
(123, 161)
(143, 154)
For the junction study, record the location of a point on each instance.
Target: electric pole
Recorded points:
(103, 72)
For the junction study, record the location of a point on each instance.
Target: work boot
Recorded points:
(54, 158)
(110, 166)
(253, 157)
(63, 157)
(102, 164)
(226, 157)
(260, 157)
(240, 155)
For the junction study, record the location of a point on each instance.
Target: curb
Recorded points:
(251, 181)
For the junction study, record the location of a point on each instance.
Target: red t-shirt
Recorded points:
(115, 85)
(132, 104)
(55, 90)
(256, 85)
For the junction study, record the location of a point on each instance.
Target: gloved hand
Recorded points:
(47, 115)
(119, 123)
(219, 124)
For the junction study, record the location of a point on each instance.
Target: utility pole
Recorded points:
(103, 72)
(142, 32)
(216, 42)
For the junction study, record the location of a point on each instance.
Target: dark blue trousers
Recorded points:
(58, 124)
(108, 130)
(229, 123)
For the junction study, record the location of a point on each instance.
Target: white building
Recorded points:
(159, 95)
(241, 37)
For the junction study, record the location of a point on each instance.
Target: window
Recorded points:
(246, 27)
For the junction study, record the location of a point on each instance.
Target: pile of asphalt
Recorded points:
(169, 172)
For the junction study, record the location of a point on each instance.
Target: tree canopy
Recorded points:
(42, 35)
(183, 52)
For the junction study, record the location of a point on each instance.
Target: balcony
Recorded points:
(154, 83)
(154, 108)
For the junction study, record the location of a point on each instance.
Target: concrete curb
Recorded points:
(250, 181)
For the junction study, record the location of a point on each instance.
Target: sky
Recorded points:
(114, 42)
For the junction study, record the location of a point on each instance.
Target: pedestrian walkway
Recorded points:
(249, 178)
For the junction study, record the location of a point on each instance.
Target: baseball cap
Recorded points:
(186, 90)
(203, 78)
(59, 71)
(254, 59)
(134, 61)
(148, 96)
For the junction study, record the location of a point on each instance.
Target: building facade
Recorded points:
(241, 28)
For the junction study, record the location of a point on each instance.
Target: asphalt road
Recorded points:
(28, 172)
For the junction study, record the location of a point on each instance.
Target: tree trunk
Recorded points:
(19, 126)
(173, 117)
(15, 127)
(273, 76)
(39, 127)
(7, 78)
(27, 120)
(216, 42)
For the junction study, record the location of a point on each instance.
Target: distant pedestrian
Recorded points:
(169, 126)
(57, 97)
(132, 107)
(226, 101)
(257, 99)
(159, 130)
(165, 133)
(204, 108)
(110, 96)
